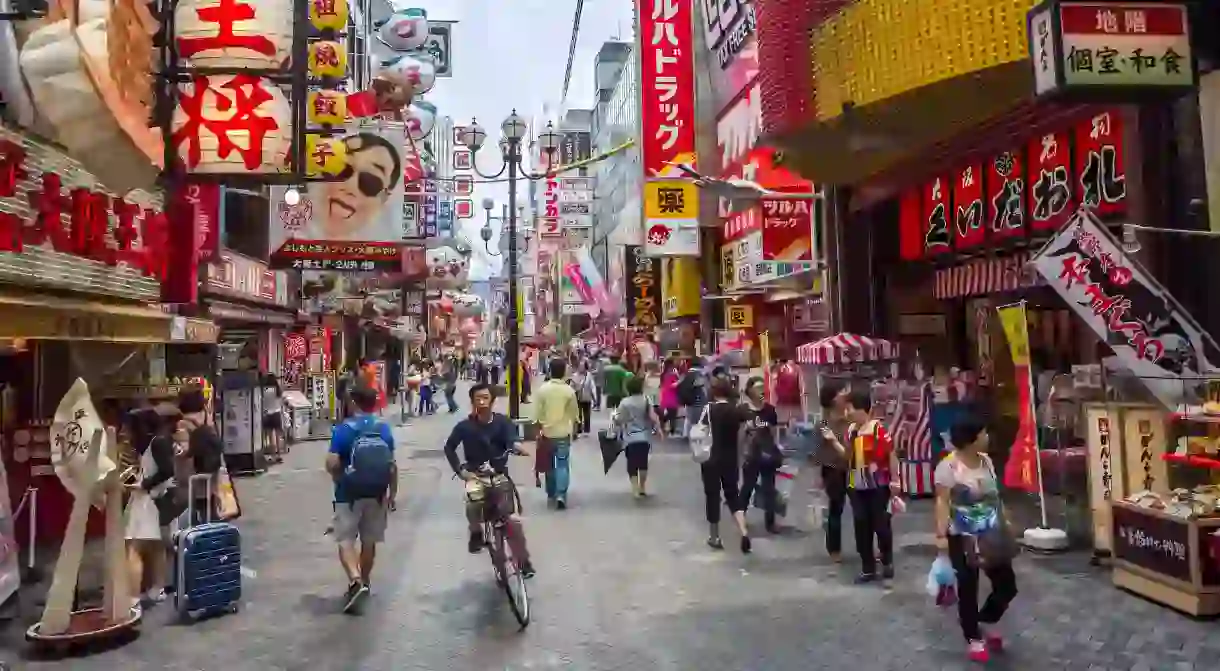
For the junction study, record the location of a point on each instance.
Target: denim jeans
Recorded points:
(558, 477)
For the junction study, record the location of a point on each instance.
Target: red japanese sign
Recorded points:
(193, 239)
(969, 211)
(910, 226)
(551, 226)
(224, 16)
(296, 346)
(100, 227)
(1005, 185)
(935, 215)
(787, 230)
(1099, 170)
(667, 84)
(758, 166)
(240, 122)
(1051, 196)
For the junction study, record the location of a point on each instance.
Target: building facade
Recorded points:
(618, 177)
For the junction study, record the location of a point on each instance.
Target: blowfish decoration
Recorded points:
(410, 73)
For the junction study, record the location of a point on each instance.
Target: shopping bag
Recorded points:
(942, 582)
(228, 508)
(610, 446)
(700, 438)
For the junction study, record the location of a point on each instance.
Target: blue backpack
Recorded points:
(371, 466)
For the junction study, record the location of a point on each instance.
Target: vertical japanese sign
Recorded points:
(550, 225)
(643, 288)
(937, 236)
(969, 210)
(787, 231)
(1005, 186)
(1050, 197)
(667, 92)
(1100, 175)
(1164, 347)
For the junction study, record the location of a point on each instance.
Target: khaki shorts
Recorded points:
(364, 520)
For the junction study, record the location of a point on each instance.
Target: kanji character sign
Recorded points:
(231, 123)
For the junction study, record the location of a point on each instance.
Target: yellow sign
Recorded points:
(739, 316)
(328, 14)
(672, 201)
(680, 286)
(327, 59)
(728, 268)
(324, 156)
(1016, 329)
(326, 108)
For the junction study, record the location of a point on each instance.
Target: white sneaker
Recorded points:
(155, 595)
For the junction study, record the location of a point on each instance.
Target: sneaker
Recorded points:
(476, 543)
(887, 572)
(352, 595)
(527, 570)
(561, 504)
(977, 651)
(746, 546)
(995, 642)
(154, 596)
(715, 543)
(865, 578)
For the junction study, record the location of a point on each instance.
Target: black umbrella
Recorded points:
(611, 448)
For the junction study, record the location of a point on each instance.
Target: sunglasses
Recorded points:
(369, 184)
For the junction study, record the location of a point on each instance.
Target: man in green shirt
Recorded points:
(614, 379)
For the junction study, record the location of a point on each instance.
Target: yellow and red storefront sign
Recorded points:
(680, 286)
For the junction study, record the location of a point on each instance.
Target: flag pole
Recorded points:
(1033, 413)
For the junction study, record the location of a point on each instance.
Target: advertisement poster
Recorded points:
(238, 421)
(1021, 471)
(1161, 345)
(353, 223)
(643, 288)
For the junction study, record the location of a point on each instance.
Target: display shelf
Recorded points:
(1192, 460)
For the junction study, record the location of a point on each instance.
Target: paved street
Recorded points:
(622, 585)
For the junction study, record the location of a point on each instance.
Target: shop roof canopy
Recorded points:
(846, 348)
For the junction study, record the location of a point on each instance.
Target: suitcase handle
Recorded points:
(190, 493)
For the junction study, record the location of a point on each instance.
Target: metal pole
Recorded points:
(514, 346)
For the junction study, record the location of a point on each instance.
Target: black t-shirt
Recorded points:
(724, 419)
(758, 426)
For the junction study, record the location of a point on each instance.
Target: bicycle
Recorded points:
(508, 568)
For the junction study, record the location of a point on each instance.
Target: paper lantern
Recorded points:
(328, 14)
(414, 75)
(234, 34)
(326, 108)
(232, 124)
(419, 119)
(327, 59)
(405, 30)
(324, 156)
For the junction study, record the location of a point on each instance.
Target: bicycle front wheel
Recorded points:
(514, 580)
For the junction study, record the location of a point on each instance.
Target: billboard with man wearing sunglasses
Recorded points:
(352, 222)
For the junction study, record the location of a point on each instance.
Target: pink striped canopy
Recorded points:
(846, 348)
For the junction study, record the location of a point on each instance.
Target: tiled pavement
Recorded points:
(622, 585)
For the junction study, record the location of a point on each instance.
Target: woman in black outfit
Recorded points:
(763, 457)
(721, 473)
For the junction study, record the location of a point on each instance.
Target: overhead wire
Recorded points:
(567, 72)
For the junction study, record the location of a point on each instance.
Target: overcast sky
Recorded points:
(512, 53)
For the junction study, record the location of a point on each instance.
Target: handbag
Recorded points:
(996, 546)
(701, 438)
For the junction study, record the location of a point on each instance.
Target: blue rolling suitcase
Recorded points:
(207, 565)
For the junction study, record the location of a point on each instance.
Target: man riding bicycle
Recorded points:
(487, 439)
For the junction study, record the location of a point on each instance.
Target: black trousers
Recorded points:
(719, 478)
(834, 480)
(1003, 590)
(752, 475)
(637, 456)
(871, 517)
(586, 416)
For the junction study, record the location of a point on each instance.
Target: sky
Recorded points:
(511, 54)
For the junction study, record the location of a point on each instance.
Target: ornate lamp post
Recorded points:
(513, 131)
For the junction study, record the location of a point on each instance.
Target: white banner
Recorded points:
(1162, 345)
(666, 240)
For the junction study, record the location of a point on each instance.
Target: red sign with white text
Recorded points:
(667, 84)
(757, 166)
(937, 235)
(551, 223)
(1051, 197)
(1006, 195)
(102, 228)
(969, 211)
(1099, 172)
(787, 230)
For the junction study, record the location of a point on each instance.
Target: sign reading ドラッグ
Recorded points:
(1092, 46)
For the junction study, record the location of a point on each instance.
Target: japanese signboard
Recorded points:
(439, 46)
(937, 236)
(549, 224)
(1112, 45)
(643, 307)
(1050, 184)
(667, 92)
(60, 228)
(1099, 163)
(787, 230)
(739, 316)
(1159, 543)
(410, 219)
(356, 220)
(1162, 345)
(575, 146)
(969, 210)
(1005, 184)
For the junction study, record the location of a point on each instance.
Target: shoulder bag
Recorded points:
(701, 437)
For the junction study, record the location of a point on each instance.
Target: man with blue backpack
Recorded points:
(361, 461)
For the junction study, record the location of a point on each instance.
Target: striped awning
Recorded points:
(846, 348)
(985, 276)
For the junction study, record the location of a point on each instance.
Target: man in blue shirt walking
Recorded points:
(361, 461)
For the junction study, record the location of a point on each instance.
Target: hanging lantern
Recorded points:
(406, 30)
(327, 108)
(324, 156)
(232, 124)
(414, 75)
(234, 34)
(419, 118)
(328, 14)
(327, 60)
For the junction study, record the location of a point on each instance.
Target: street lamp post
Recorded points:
(513, 133)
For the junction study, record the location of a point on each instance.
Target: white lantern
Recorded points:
(234, 34)
(405, 30)
(419, 117)
(415, 75)
(232, 124)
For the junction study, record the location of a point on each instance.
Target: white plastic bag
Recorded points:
(701, 438)
(816, 513)
(940, 576)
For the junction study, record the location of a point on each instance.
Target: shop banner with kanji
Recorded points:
(1159, 343)
(667, 128)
